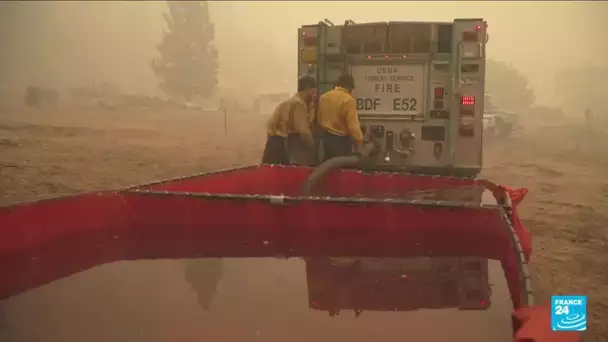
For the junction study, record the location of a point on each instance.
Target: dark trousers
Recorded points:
(275, 151)
(299, 151)
(336, 145)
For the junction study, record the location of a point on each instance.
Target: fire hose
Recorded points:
(369, 150)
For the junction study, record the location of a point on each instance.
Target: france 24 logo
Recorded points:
(569, 313)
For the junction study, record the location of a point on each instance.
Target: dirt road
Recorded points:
(46, 154)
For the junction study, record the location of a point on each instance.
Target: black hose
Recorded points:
(320, 171)
(369, 150)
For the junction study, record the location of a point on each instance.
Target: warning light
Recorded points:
(439, 93)
(478, 27)
(467, 100)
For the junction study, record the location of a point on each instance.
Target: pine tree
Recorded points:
(187, 67)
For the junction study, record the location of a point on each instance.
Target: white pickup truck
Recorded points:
(500, 123)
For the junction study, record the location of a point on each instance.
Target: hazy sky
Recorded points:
(69, 43)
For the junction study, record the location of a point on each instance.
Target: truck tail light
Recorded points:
(467, 100)
(467, 116)
(439, 93)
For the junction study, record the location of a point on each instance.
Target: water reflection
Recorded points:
(268, 299)
(204, 276)
(396, 284)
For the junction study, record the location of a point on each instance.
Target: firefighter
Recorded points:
(300, 142)
(338, 120)
(275, 151)
(289, 137)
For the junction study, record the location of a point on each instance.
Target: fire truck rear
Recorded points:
(419, 87)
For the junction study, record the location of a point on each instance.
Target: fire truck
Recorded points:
(419, 87)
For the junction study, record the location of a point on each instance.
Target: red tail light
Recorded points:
(467, 116)
(438, 93)
(467, 100)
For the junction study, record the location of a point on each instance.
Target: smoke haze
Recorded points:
(67, 44)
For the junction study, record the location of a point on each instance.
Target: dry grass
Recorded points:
(564, 166)
(50, 154)
(63, 152)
